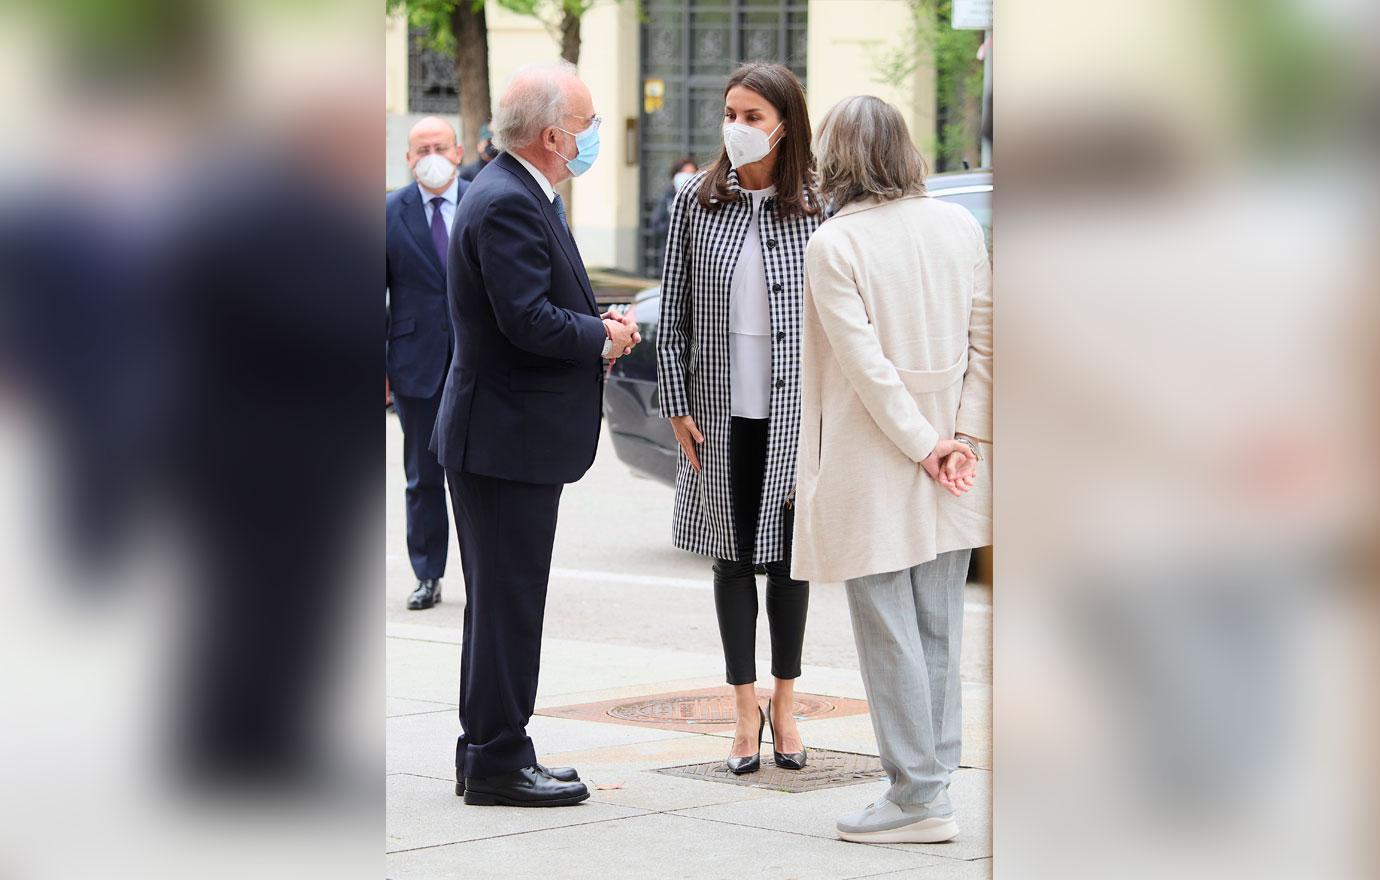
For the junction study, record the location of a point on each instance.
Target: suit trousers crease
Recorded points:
(908, 626)
(506, 531)
(735, 581)
(428, 527)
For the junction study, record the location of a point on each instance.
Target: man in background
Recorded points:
(419, 220)
(487, 153)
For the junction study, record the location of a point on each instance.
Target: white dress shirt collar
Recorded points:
(452, 193)
(538, 176)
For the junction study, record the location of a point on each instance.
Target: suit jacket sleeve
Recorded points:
(831, 290)
(975, 403)
(516, 262)
(673, 332)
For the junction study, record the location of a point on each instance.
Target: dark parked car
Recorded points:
(641, 437)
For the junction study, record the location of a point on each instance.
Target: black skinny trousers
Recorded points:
(735, 582)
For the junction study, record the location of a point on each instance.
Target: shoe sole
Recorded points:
(925, 831)
(479, 799)
(460, 786)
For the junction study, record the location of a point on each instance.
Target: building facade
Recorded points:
(657, 81)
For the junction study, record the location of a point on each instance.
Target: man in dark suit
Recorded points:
(420, 217)
(519, 419)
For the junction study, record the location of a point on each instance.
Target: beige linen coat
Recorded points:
(896, 355)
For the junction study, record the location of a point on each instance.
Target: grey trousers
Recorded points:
(908, 626)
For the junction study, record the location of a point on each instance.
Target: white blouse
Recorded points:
(749, 323)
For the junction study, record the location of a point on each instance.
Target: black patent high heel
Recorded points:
(752, 763)
(784, 760)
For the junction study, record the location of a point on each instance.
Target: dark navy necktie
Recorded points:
(439, 237)
(560, 209)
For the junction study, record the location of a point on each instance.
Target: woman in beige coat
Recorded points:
(893, 464)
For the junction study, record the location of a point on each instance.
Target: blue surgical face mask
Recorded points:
(587, 148)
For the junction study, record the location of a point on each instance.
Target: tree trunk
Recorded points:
(570, 51)
(471, 72)
(570, 37)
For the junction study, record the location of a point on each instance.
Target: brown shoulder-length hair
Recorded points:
(795, 166)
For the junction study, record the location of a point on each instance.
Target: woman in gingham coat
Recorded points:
(728, 364)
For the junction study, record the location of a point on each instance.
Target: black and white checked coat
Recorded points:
(693, 361)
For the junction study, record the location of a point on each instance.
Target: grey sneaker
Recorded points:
(887, 822)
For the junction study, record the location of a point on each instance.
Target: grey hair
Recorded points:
(533, 100)
(865, 151)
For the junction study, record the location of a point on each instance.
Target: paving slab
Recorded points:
(977, 869)
(653, 845)
(395, 707)
(633, 767)
(425, 744)
(423, 663)
(977, 725)
(569, 666)
(426, 812)
(815, 812)
(422, 670)
(854, 733)
(628, 691)
(848, 733)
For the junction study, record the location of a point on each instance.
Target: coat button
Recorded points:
(780, 383)
(776, 288)
(780, 335)
(771, 243)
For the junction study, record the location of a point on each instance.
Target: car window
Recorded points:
(648, 310)
(977, 203)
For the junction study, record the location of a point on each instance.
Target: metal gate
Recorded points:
(689, 47)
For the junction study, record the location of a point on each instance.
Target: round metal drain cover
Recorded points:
(705, 709)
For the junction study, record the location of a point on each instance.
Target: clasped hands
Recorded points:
(622, 329)
(952, 465)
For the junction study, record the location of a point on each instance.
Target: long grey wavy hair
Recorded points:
(864, 151)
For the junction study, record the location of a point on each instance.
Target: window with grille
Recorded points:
(431, 85)
(689, 47)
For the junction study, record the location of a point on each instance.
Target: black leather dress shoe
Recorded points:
(561, 774)
(428, 593)
(784, 760)
(752, 763)
(528, 787)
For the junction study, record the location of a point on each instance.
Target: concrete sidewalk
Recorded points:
(646, 630)
(650, 825)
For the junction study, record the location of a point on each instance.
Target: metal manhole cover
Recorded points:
(705, 709)
(825, 769)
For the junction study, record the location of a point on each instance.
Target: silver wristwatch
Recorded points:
(971, 445)
(608, 348)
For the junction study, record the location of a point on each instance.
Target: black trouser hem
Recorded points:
(735, 582)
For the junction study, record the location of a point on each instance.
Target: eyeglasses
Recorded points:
(428, 149)
(590, 122)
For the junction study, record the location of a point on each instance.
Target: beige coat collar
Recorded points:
(861, 205)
